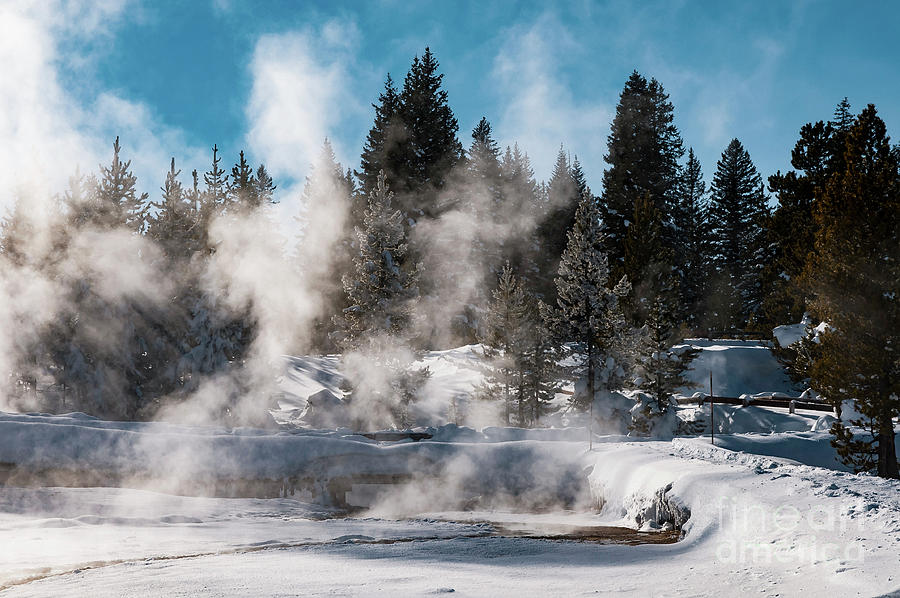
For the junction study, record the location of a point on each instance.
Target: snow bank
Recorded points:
(749, 512)
(738, 367)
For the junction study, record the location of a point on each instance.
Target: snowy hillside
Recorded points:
(490, 511)
(738, 367)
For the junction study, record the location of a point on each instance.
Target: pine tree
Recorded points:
(379, 318)
(243, 192)
(381, 152)
(172, 225)
(506, 331)
(431, 149)
(326, 202)
(563, 197)
(588, 319)
(481, 199)
(483, 196)
(854, 274)
(217, 184)
(213, 200)
(117, 202)
(265, 187)
(738, 217)
(542, 372)
(692, 228)
(843, 116)
(659, 366)
(644, 149)
(380, 292)
(483, 170)
(521, 208)
(817, 155)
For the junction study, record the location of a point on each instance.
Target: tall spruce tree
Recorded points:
(816, 156)
(265, 187)
(506, 333)
(588, 320)
(854, 274)
(217, 184)
(381, 293)
(691, 253)
(243, 191)
(654, 310)
(563, 197)
(484, 190)
(117, 202)
(521, 209)
(521, 368)
(381, 297)
(738, 217)
(431, 149)
(644, 149)
(483, 171)
(382, 149)
(326, 203)
(173, 223)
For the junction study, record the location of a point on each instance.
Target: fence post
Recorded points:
(712, 412)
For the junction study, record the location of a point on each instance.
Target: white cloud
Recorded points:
(299, 95)
(540, 110)
(45, 131)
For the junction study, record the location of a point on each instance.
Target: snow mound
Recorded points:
(738, 367)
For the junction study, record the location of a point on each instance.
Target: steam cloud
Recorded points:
(290, 111)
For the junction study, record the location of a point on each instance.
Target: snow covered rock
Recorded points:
(325, 410)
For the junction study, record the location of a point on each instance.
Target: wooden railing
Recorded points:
(774, 401)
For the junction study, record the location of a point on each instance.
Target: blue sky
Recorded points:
(274, 78)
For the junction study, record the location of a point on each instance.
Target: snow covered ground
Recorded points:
(758, 526)
(768, 511)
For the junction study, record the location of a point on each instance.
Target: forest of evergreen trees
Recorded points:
(608, 283)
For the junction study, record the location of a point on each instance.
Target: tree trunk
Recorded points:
(887, 451)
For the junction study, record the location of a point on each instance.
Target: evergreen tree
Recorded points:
(172, 225)
(659, 365)
(563, 197)
(379, 318)
(117, 202)
(691, 256)
(325, 216)
(521, 208)
(16, 231)
(382, 149)
(644, 149)
(541, 369)
(213, 200)
(738, 217)
(243, 191)
(431, 149)
(817, 155)
(482, 201)
(843, 116)
(483, 170)
(265, 187)
(484, 193)
(217, 184)
(588, 319)
(521, 366)
(854, 274)
(506, 333)
(381, 294)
